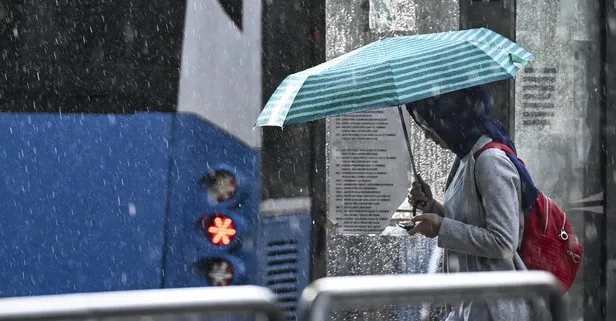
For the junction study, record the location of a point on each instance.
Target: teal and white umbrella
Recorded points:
(393, 72)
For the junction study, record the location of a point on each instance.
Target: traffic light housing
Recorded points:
(212, 218)
(224, 226)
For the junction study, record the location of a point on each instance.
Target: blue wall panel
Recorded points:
(82, 202)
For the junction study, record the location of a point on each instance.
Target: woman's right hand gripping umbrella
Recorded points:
(428, 223)
(421, 197)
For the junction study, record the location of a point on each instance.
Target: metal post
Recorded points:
(142, 302)
(373, 291)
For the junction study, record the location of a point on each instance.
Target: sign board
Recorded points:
(367, 170)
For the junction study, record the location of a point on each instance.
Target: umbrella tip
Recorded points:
(517, 59)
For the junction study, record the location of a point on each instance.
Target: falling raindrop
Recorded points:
(132, 209)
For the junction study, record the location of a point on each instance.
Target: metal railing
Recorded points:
(318, 299)
(141, 303)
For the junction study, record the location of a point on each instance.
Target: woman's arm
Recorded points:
(497, 180)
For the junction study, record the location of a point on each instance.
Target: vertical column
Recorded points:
(319, 146)
(609, 41)
(499, 16)
(293, 159)
(287, 48)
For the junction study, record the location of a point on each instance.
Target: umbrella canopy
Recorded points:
(392, 72)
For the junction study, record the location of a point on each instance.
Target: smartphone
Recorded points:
(408, 225)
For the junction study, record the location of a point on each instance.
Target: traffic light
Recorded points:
(220, 229)
(224, 226)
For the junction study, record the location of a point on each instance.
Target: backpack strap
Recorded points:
(500, 146)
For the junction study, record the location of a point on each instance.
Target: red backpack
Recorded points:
(548, 242)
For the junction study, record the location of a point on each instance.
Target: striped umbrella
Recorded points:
(392, 72)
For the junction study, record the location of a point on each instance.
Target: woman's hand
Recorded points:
(420, 195)
(427, 224)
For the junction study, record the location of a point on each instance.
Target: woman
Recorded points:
(480, 223)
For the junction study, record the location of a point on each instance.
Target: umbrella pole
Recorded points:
(409, 148)
(408, 141)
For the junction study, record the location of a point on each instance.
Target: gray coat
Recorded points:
(483, 233)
